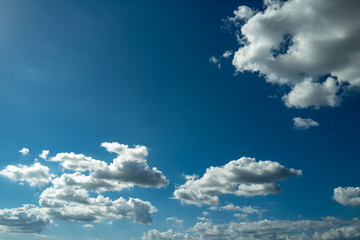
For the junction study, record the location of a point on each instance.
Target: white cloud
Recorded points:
(242, 177)
(44, 154)
(88, 226)
(25, 219)
(310, 46)
(304, 123)
(168, 235)
(244, 209)
(349, 196)
(36, 175)
(176, 220)
(24, 151)
(204, 219)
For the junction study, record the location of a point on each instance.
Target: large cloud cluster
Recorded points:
(76, 195)
(328, 228)
(242, 177)
(310, 46)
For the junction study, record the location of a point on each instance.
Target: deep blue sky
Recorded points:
(75, 74)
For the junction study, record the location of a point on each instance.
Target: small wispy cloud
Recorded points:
(304, 123)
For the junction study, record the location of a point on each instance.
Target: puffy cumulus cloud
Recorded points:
(26, 219)
(329, 228)
(168, 235)
(304, 123)
(44, 154)
(24, 151)
(242, 177)
(36, 174)
(131, 167)
(349, 196)
(310, 46)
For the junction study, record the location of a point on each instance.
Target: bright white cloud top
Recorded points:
(242, 177)
(76, 196)
(310, 46)
(304, 123)
(349, 196)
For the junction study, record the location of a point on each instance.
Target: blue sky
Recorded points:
(152, 75)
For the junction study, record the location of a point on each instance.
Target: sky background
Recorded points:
(75, 74)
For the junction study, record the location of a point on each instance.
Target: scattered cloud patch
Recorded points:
(349, 196)
(242, 177)
(309, 46)
(329, 228)
(76, 197)
(24, 151)
(304, 123)
(44, 154)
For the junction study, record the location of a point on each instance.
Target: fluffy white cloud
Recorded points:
(242, 177)
(131, 167)
(77, 162)
(25, 219)
(328, 228)
(24, 151)
(75, 205)
(44, 154)
(310, 46)
(304, 123)
(168, 235)
(349, 196)
(36, 175)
